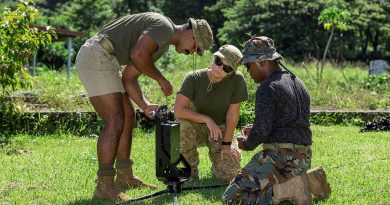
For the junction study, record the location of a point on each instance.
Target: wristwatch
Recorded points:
(226, 143)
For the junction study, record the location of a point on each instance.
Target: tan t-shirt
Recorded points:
(124, 33)
(216, 102)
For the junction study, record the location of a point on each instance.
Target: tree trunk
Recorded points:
(364, 44)
(325, 52)
(375, 41)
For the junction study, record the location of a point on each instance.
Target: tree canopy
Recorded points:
(293, 24)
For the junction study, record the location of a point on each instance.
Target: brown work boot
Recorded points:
(106, 190)
(126, 179)
(318, 185)
(295, 190)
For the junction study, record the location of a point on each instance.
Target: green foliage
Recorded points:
(61, 94)
(269, 18)
(341, 88)
(138, 6)
(87, 16)
(371, 28)
(45, 123)
(169, 61)
(293, 24)
(333, 16)
(18, 42)
(7, 4)
(180, 10)
(378, 83)
(300, 37)
(54, 55)
(297, 38)
(328, 119)
(247, 113)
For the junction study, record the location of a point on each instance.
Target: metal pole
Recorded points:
(174, 193)
(69, 42)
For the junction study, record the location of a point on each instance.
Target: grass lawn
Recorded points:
(60, 169)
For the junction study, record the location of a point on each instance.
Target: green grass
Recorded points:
(342, 87)
(61, 168)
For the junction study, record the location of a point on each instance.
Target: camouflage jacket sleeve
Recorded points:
(265, 113)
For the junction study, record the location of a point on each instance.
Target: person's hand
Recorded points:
(246, 129)
(241, 140)
(165, 86)
(231, 152)
(150, 111)
(215, 132)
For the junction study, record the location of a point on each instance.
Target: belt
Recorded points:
(106, 44)
(277, 146)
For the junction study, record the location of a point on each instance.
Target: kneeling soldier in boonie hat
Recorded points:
(277, 173)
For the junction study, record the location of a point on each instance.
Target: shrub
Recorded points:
(18, 42)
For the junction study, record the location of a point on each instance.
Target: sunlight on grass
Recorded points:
(61, 169)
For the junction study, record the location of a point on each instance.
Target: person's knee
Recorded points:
(229, 176)
(190, 153)
(115, 124)
(226, 173)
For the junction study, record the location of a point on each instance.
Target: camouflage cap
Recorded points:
(202, 34)
(231, 53)
(259, 49)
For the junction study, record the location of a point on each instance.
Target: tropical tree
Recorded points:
(370, 24)
(332, 18)
(291, 23)
(18, 42)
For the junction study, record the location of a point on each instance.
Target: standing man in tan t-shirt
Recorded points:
(136, 41)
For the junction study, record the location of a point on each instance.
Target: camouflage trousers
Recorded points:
(194, 135)
(253, 184)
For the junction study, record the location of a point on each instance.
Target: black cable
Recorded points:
(203, 186)
(144, 197)
(174, 194)
(216, 186)
(291, 73)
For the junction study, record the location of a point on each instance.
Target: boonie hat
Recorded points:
(231, 53)
(259, 49)
(202, 34)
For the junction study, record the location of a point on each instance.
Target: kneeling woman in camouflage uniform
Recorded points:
(208, 105)
(281, 124)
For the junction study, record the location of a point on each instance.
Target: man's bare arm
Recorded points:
(142, 57)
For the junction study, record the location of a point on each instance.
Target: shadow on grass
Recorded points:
(315, 201)
(90, 201)
(319, 200)
(213, 194)
(5, 138)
